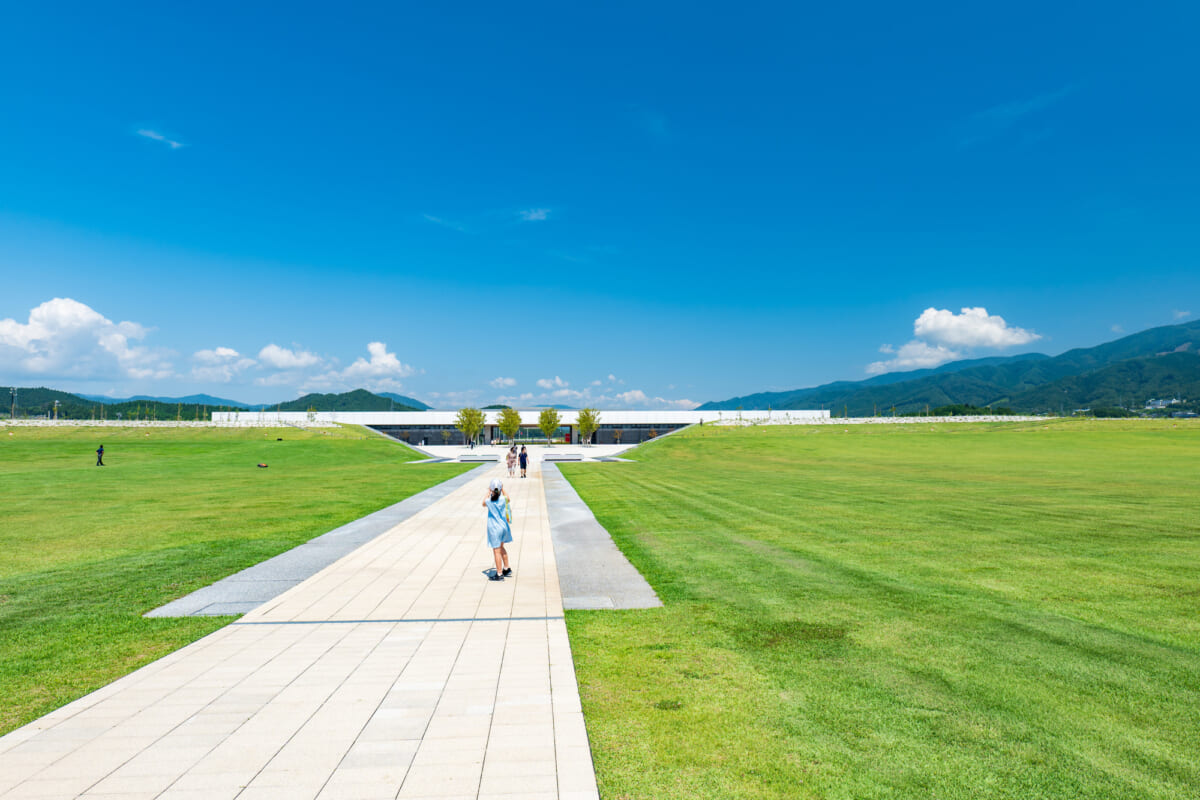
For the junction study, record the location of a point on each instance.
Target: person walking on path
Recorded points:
(499, 527)
(100, 456)
(511, 458)
(524, 458)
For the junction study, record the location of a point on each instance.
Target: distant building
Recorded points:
(1161, 404)
(437, 427)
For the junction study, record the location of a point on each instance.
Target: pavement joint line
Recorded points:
(389, 621)
(492, 724)
(316, 660)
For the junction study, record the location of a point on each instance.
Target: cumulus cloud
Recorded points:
(914, 355)
(219, 365)
(68, 339)
(974, 327)
(282, 358)
(501, 383)
(944, 336)
(534, 214)
(555, 383)
(382, 364)
(379, 373)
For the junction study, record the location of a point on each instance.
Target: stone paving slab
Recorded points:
(253, 586)
(397, 671)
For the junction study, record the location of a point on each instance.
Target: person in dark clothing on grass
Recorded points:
(100, 456)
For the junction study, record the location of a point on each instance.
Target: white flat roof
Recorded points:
(528, 417)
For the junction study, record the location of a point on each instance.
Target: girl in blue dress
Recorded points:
(499, 530)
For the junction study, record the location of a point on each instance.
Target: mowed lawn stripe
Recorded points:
(967, 611)
(87, 550)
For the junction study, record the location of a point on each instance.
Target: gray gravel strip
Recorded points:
(592, 572)
(253, 586)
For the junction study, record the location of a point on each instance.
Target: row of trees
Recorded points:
(471, 422)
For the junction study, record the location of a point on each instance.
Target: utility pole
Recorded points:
(13, 414)
(56, 411)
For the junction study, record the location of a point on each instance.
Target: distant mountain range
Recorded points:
(1156, 363)
(335, 402)
(41, 402)
(191, 399)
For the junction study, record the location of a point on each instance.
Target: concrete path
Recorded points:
(397, 671)
(592, 572)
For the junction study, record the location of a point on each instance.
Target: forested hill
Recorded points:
(357, 400)
(1079, 378)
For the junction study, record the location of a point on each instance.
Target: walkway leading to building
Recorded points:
(396, 671)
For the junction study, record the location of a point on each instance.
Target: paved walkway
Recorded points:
(397, 671)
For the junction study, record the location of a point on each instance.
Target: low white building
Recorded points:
(437, 427)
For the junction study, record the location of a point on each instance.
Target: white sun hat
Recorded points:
(495, 484)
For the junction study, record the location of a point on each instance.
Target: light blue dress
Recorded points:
(499, 531)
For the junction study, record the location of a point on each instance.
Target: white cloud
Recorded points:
(1181, 314)
(534, 214)
(282, 358)
(633, 397)
(597, 383)
(614, 379)
(454, 400)
(636, 398)
(1117, 329)
(381, 365)
(556, 383)
(67, 339)
(220, 365)
(380, 373)
(158, 137)
(278, 379)
(974, 327)
(219, 355)
(501, 383)
(914, 355)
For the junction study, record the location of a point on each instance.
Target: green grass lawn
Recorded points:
(959, 611)
(85, 551)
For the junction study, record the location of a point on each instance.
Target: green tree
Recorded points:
(588, 422)
(470, 421)
(548, 421)
(510, 422)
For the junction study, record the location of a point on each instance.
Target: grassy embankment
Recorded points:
(87, 550)
(966, 611)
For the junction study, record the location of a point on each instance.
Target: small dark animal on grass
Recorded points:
(262, 466)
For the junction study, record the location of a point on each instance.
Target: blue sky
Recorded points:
(633, 205)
